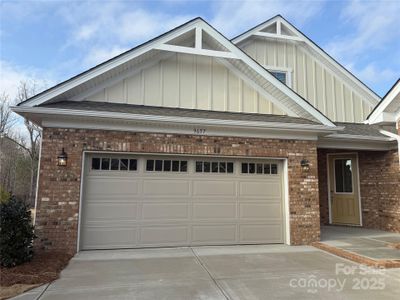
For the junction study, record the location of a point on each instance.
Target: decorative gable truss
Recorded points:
(280, 30)
(196, 38)
(276, 29)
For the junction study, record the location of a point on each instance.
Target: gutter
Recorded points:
(177, 119)
(360, 137)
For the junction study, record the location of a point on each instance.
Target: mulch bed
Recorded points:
(43, 268)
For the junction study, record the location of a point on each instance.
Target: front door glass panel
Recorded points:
(343, 176)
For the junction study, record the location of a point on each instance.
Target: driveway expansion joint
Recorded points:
(209, 274)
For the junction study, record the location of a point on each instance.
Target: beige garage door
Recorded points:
(138, 201)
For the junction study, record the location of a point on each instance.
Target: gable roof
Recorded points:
(278, 93)
(294, 34)
(388, 109)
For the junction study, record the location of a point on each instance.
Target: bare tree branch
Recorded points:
(7, 119)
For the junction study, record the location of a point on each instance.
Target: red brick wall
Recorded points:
(379, 188)
(59, 187)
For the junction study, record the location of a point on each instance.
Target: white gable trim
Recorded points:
(333, 65)
(108, 65)
(379, 115)
(259, 69)
(160, 43)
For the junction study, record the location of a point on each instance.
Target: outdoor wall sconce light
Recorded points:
(62, 158)
(305, 165)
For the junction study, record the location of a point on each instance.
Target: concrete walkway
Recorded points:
(374, 244)
(237, 272)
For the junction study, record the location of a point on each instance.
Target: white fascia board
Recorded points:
(378, 115)
(343, 70)
(382, 118)
(176, 119)
(311, 45)
(110, 65)
(333, 143)
(268, 76)
(359, 137)
(186, 128)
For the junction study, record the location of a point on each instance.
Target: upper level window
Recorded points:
(280, 75)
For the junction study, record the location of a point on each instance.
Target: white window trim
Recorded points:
(288, 71)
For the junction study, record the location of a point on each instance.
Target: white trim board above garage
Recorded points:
(208, 42)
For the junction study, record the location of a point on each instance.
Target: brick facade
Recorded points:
(59, 187)
(379, 188)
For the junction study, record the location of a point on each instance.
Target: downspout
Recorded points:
(394, 136)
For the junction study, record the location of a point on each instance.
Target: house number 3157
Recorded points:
(199, 130)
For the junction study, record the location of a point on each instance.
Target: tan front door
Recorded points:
(344, 189)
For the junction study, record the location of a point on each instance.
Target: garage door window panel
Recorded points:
(166, 165)
(105, 163)
(114, 164)
(259, 168)
(96, 163)
(221, 167)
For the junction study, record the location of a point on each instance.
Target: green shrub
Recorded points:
(16, 233)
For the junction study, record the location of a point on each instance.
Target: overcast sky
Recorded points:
(50, 41)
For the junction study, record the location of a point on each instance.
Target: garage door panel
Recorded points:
(262, 189)
(214, 188)
(110, 210)
(255, 233)
(139, 208)
(116, 187)
(159, 235)
(264, 211)
(166, 187)
(210, 211)
(211, 234)
(164, 211)
(109, 237)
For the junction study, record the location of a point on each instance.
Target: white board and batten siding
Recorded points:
(187, 81)
(141, 208)
(311, 79)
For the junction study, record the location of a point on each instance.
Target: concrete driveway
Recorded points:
(237, 272)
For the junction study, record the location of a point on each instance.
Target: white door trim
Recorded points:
(329, 185)
(80, 201)
(286, 201)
